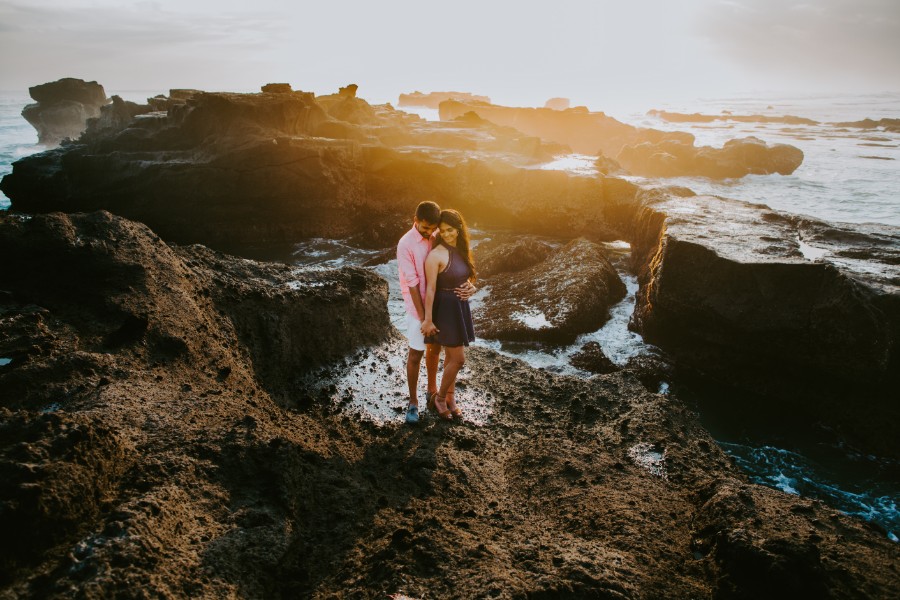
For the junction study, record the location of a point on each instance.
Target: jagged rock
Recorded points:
(503, 256)
(557, 103)
(276, 88)
(434, 99)
(63, 108)
(568, 293)
(349, 91)
(152, 298)
(727, 292)
(735, 159)
(592, 359)
(583, 131)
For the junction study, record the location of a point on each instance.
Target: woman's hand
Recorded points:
(428, 328)
(466, 290)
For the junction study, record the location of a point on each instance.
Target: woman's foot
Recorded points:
(429, 400)
(451, 405)
(441, 407)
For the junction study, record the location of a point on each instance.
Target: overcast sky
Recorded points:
(597, 52)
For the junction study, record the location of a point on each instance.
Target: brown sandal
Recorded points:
(429, 400)
(445, 414)
(455, 411)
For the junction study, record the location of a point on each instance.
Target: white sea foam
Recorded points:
(533, 319)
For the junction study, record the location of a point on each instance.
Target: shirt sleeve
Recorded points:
(407, 265)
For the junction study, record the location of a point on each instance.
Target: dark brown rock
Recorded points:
(165, 465)
(568, 293)
(502, 255)
(591, 358)
(735, 299)
(63, 108)
(276, 88)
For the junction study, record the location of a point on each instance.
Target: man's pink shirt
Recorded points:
(412, 249)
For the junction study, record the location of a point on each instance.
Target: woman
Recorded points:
(448, 319)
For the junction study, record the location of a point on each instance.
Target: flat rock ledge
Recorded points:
(794, 309)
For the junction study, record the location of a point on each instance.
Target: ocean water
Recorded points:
(838, 181)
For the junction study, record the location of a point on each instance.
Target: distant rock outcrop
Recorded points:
(434, 99)
(892, 125)
(276, 88)
(63, 108)
(583, 131)
(557, 103)
(736, 158)
(673, 117)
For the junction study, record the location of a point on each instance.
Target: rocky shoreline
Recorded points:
(177, 420)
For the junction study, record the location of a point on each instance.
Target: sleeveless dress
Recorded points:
(450, 314)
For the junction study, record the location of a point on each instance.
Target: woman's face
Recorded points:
(448, 233)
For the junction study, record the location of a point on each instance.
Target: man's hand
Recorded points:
(465, 291)
(428, 328)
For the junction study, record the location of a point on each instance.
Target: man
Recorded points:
(412, 249)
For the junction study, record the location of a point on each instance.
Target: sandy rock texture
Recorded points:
(154, 442)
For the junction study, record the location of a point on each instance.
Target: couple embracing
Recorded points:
(436, 274)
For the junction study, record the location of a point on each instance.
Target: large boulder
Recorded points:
(736, 158)
(804, 314)
(501, 255)
(555, 300)
(63, 108)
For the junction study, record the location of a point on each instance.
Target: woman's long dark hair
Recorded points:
(454, 219)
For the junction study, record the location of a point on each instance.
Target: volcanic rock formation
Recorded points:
(63, 108)
(155, 441)
(568, 293)
(736, 299)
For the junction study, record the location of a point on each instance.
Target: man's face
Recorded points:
(425, 228)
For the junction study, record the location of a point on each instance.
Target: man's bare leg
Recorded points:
(413, 364)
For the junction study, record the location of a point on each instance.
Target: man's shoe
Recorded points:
(412, 414)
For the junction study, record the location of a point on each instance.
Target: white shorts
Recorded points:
(414, 333)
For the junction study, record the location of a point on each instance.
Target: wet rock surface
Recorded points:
(568, 293)
(154, 440)
(736, 158)
(796, 310)
(592, 359)
(62, 108)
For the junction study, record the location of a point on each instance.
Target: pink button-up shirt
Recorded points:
(411, 252)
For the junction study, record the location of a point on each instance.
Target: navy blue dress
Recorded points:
(450, 314)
